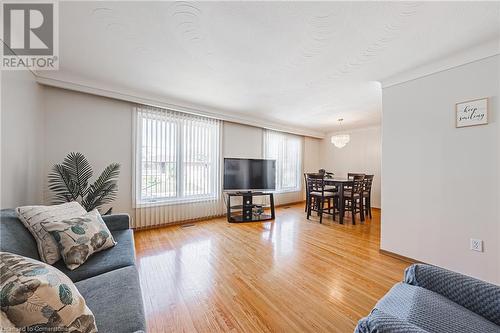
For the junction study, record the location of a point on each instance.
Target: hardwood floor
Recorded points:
(290, 275)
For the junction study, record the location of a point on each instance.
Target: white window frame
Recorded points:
(180, 197)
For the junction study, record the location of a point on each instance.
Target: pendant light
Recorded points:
(340, 140)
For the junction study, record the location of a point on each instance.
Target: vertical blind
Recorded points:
(286, 149)
(177, 166)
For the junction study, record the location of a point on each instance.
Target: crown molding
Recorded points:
(354, 130)
(156, 101)
(4, 45)
(467, 56)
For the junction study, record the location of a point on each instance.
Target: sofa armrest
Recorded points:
(480, 297)
(117, 221)
(379, 321)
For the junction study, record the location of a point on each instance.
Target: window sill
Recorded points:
(172, 202)
(288, 191)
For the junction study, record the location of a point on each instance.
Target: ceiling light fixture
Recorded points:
(340, 140)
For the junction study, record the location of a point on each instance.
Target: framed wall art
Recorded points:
(471, 113)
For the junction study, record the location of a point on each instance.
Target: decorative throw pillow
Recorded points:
(6, 325)
(78, 238)
(37, 297)
(34, 218)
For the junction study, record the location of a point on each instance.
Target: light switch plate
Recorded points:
(476, 245)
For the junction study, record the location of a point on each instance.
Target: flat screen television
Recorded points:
(242, 174)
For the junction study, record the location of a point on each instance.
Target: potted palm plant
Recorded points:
(69, 181)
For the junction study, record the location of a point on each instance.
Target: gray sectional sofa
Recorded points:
(108, 281)
(433, 299)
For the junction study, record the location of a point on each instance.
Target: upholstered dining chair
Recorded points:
(367, 194)
(307, 191)
(329, 188)
(307, 188)
(318, 196)
(353, 197)
(351, 175)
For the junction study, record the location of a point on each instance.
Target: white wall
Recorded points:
(312, 151)
(22, 142)
(101, 128)
(362, 154)
(98, 127)
(441, 183)
(242, 141)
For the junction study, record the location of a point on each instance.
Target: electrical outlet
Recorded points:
(476, 245)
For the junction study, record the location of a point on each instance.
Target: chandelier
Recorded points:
(340, 140)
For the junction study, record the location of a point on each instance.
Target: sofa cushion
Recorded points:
(121, 255)
(432, 311)
(117, 221)
(14, 237)
(121, 310)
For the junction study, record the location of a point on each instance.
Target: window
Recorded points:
(177, 157)
(286, 149)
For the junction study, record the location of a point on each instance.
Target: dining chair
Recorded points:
(318, 196)
(350, 176)
(367, 194)
(353, 197)
(326, 174)
(307, 191)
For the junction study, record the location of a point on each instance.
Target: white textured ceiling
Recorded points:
(303, 64)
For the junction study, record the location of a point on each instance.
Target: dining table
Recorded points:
(340, 184)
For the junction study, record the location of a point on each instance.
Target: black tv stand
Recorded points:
(248, 193)
(248, 211)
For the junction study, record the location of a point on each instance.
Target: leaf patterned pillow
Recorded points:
(6, 325)
(78, 238)
(34, 217)
(37, 297)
